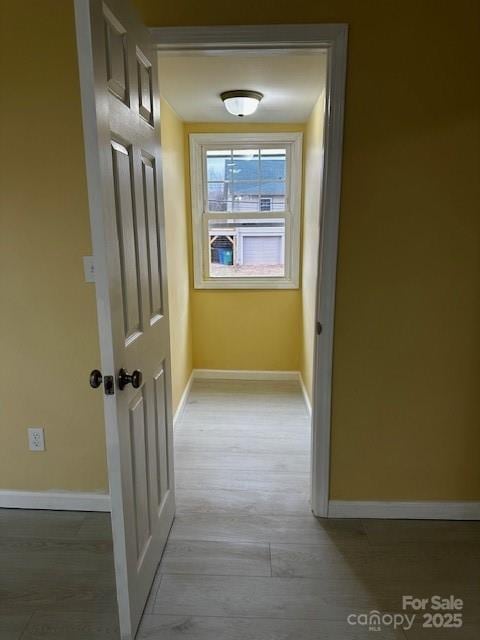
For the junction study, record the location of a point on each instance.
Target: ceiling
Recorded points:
(290, 83)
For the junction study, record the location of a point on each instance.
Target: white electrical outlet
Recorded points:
(36, 439)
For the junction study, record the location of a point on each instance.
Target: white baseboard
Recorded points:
(241, 374)
(183, 400)
(54, 500)
(421, 510)
(305, 394)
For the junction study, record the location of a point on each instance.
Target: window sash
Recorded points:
(248, 146)
(286, 216)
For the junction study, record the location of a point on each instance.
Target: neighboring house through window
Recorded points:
(246, 209)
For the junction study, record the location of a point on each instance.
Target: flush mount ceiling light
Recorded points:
(241, 102)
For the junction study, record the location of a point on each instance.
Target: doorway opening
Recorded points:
(250, 229)
(223, 182)
(288, 40)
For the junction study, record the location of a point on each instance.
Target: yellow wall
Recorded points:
(178, 243)
(406, 406)
(312, 169)
(245, 329)
(48, 335)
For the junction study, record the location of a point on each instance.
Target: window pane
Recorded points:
(245, 195)
(273, 164)
(245, 164)
(247, 180)
(219, 164)
(244, 248)
(272, 188)
(220, 205)
(219, 196)
(246, 203)
(217, 191)
(275, 193)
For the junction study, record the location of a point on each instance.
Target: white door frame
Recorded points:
(274, 39)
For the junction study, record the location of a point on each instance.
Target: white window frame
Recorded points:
(199, 142)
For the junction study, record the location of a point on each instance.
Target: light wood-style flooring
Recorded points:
(56, 576)
(246, 560)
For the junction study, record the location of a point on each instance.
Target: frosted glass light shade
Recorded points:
(242, 102)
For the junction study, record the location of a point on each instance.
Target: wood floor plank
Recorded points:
(258, 412)
(468, 631)
(402, 563)
(295, 463)
(260, 427)
(326, 561)
(258, 417)
(242, 502)
(41, 553)
(56, 588)
(216, 558)
(171, 627)
(242, 480)
(252, 388)
(12, 625)
(29, 523)
(390, 532)
(72, 626)
(255, 597)
(240, 444)
(96, 526)
(267, 400)
(302, 598)
(257, 528)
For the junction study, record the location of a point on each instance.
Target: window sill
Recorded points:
(249, 283)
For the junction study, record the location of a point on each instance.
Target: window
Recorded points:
(246, 209)
(266, 204)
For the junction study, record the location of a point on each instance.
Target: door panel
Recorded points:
(162, 436)
(153, 233)
(145, 96)
(116, 56)
(138, 438)
(121, 114)
(127, 232)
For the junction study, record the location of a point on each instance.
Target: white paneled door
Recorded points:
(122, 141)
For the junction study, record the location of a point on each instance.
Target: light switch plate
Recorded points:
(89, 268)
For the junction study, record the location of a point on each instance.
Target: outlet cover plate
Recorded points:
(36, 439)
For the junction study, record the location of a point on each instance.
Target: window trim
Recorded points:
(202, 279)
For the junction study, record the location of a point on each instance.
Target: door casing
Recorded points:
(272, 40)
